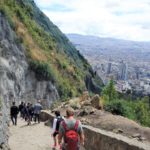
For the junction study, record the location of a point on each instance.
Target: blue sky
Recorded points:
(125, 19)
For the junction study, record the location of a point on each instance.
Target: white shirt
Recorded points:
(54, 124)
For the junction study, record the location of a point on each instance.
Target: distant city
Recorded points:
(127, 77)
(128, 66)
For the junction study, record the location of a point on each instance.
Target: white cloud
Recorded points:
(126, 19)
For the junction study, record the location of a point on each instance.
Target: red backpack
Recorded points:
(71, 136)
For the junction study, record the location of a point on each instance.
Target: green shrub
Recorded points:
(42, 71)
(5, 11)
(64, 90)
(142, 112)
(135, 110)
(20, 15)
(110, 91)
(116, 107)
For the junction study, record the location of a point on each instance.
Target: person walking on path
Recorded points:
(71, 131)
(24, 111)
(56, 123)
(21, 109)
(28, 114)
(31, 111)
(37, 111)
(14, 110)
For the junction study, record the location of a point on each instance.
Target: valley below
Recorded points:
(127, 62)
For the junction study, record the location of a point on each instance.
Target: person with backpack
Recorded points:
(71, 131)
(14, 110)
(37, 110)
(56, 123)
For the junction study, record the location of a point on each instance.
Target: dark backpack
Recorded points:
(71, 136)
(59, 120)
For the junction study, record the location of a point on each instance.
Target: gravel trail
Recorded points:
(33, 137)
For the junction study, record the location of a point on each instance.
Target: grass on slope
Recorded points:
(45, 59)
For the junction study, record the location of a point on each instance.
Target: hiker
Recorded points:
(13, 113)
(71, 131)
(28, 114)
(24, 110)
(37, 111)
(56, 123)
(31, 112)
(21, 109)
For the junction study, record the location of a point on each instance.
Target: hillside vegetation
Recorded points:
(137, 109)
(50, 54)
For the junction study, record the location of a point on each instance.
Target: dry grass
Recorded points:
(71, 70)
(35, 52)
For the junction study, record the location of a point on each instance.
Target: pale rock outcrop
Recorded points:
(95, 101)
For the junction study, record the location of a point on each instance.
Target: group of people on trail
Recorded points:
(69, 130)
(28, 111)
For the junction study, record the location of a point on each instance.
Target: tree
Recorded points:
(110, 91)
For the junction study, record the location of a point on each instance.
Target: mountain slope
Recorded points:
(93, 47)
(107, 44)
(49, 53)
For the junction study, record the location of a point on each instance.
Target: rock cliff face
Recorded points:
(17, 81)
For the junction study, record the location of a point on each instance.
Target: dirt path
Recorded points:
(33, 137)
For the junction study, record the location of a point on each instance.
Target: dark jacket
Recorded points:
(14, 111)
(20, 107)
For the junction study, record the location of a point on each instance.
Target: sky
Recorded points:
(122, 19)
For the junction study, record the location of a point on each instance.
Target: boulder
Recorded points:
(74, 103)
(84, 121)
(142, 139)
(83, 113)
(75, 106)
(87, 110)
(136, 135)
(85, 96)
(86, 103)
(95, 102)
(118, 131)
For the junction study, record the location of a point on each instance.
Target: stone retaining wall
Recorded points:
(4, 134)
(97, 139)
